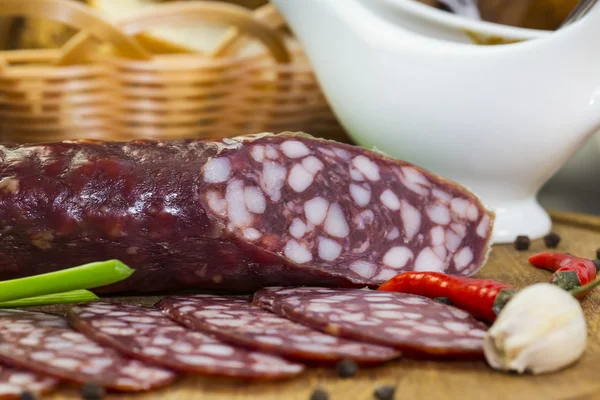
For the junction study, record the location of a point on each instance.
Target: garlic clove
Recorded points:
(542, 329)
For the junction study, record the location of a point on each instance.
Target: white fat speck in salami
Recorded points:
(397, 256)
(460, 207)
(413, 324)
(316, 210)
(367, 167)
(411, 218)
(273, 179)
(237, 210)
(440, 251)
(312, 164)
(326, 151)
(255, 200)
(294, 149)
(415, 176)
(300, 179)
(251, 234)
(297, 228)
(297, 252)
(460, 229)
(15, 381)
(441, 195)
(483, 227)
(453, 241)
(342, 153)
(438, 236)
(463, 258)
(363, 268)
(439, 214)
(356, 175)
(361, 193)
(271, 152)
(386, 274)
(472, 213)
(285, 338)
(393, 234)
(390, 200)
(427, 260)
(329, 249)
(413, 180)
(217, 170)
(161, 341)
(335, 222)
(68, 355)
(258, 153)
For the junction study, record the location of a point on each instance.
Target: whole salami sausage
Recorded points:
(148, 335)
(45, 344)
(416, 325)
(238, 322)
(13, 382)
(233, 214)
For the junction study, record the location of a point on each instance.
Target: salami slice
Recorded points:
(45, 344)
(237, 321)
(14, 381)
(233, 214)
(414, 324)
(146, 334)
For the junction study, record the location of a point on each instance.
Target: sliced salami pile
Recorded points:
(414, 324)
(238, 322)
(233, 214)
(148, 335)
(45, 344)
(13, 382)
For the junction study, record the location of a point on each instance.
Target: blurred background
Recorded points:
(574, 188)
(39, 33)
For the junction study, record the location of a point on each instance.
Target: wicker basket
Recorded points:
(84, 91)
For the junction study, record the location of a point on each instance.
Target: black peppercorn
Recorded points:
(346, 368)
(92, 391)
(522, 243)
(552, 240)
(443, 300)
(27, 396)
(385, 392)
(319, 394)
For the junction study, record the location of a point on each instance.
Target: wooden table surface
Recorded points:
(433, 380)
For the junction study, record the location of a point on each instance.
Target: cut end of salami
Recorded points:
(45, 344)
(417, 325)
(345, 211)
(148, 335)
(13, 382)
(238, 322)
(233, 214)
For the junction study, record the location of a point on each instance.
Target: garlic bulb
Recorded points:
(542, 329)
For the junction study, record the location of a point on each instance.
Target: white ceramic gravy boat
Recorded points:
(500, 120)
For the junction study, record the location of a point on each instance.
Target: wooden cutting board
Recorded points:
(431, 380)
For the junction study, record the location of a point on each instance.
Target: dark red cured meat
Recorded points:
(45, 344)
(238, 322)
(15, 381)
(233, 214)
(146, 334)
(416, 325)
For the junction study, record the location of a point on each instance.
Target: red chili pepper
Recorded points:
(569, 271)
(482, 298)
(551, 261)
